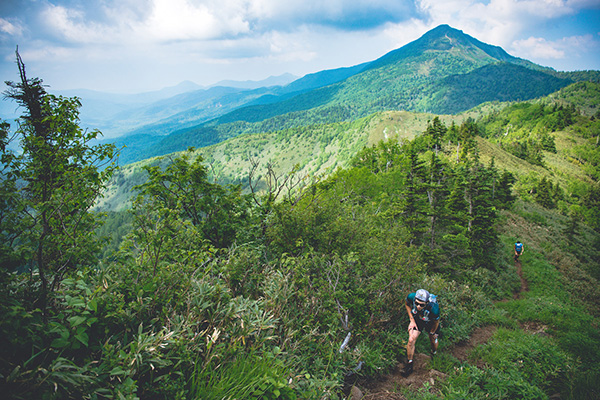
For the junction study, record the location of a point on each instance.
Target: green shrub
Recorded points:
(584, 385)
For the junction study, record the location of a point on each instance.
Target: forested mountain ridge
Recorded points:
(195, 107)
(319, 149)
(315, 150)
(445, 71)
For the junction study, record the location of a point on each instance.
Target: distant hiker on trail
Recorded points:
(424, 314)
(518, 250)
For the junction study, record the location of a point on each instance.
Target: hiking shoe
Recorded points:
(408, 369)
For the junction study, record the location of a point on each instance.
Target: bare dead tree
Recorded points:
(288, 184)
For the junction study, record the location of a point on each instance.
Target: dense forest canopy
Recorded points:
(248, 290)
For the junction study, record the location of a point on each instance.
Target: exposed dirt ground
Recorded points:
(524, 286)
(424, 378)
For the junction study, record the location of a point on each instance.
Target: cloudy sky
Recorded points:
(140, 45)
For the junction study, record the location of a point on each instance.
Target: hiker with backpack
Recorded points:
(518, 250)
(424, 314)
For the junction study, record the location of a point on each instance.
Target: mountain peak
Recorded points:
(447, 34)
(441, 38)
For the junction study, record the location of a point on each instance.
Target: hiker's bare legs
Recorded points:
(434, 342)
(413, 334)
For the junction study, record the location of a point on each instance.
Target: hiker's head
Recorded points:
(421, 297)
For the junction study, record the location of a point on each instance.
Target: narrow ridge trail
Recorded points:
(524, 285)
(424, 378)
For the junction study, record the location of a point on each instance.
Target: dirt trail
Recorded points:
(524, 285)
(424, 377)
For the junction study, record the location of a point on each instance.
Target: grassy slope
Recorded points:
(317, 150)
(322, 148)
(559, 166)
(552, 329)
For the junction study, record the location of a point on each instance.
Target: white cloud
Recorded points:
(160, 21)
(210, 40)
(13, 29)
(539, 48)
(500, 22)
(290, 47)
(136, 21)
(46, 53)
(400, 34)
(71, 25)
(568, 47)
(186, 20)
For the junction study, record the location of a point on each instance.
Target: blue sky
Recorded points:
(141, 45)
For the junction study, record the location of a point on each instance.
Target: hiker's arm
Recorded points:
(412, 324)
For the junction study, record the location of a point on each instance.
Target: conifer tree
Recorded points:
(436, 194)
(467, 133)
(456, 243)
(435, 131)
(481, 213)
(504, 196)
(415, 203)
(543, 193)
(571, 228)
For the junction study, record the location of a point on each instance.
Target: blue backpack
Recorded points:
(432, 300)
(519, 247)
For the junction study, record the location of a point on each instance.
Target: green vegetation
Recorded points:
(49, 188)
(445, 71)
(212, 286)
(230, 161)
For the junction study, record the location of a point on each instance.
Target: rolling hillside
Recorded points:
(317, 150)
(443, 72)
(528, 310)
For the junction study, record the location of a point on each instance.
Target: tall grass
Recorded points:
(246, 376)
